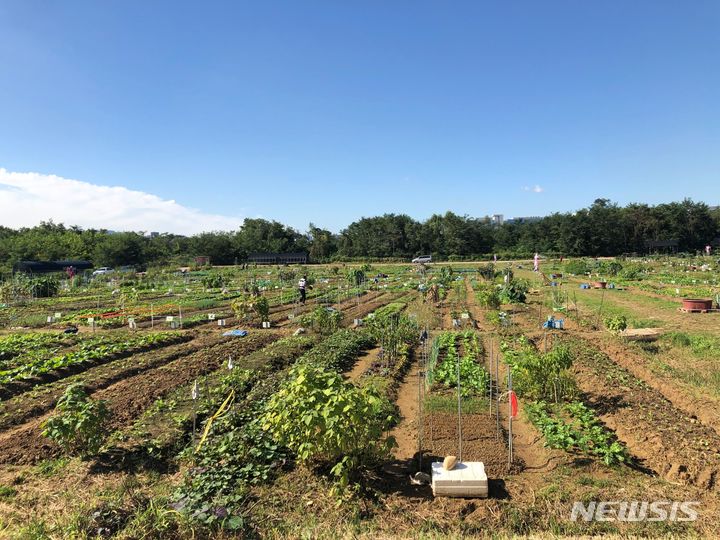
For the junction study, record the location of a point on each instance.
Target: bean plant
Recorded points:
(78, 426)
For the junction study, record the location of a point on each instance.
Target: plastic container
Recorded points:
(466, 479)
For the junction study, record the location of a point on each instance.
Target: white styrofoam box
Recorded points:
(466, 479)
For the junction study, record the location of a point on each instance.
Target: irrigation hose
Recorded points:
(223, 407)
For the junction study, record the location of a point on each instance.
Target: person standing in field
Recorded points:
(302, 285)
(536, 261)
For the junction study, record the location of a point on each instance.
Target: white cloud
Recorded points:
(534, 189)
(26, 199)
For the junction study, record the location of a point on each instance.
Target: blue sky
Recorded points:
(327, 111)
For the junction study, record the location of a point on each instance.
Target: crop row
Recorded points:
(549, 391)
(453, 351)
(238, 452)
(574, 427)
(16, 344)
(89, 351)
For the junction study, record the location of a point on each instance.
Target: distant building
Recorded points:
(662, 246)
(526, 219)
(279, 258)
(497, 219)
(47, 267)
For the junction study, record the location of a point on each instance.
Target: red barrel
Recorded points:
(696, 304)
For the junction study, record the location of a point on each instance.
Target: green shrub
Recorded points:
(487, 271)
(611, 268)
(321, 417)
(324, 320)
(514, 292)
(631, 272)
(540, 376)
(79, 425)
(213, 280)
(488, 297)
(577, 267)
(616, 323)
(356, 277)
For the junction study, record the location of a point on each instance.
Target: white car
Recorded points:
(422, 259)
(103, 270)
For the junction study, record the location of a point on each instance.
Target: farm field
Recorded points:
(283, 433)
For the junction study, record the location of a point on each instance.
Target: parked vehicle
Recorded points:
(422, 259)
(103, 270)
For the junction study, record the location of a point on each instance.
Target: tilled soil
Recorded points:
(667, 440)
(18, 387)
(281, 317)
(704, 409)
(129, 397)
(42, 398)
(480, 441)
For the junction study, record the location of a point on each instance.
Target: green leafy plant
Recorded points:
(356, 277)
(446, 276)
(78, 426)
(250, 307)
(474, 378)
(577, 267)
(261, 307)
(616, 323)
(575, 427)
(321, 417)
(540, 376)
(514, 292)
(324, 320)
(393, 331)
(213, 280)
(38, 361)
(488, 297)
(487, 271)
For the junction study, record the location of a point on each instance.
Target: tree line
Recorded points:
(602, 229)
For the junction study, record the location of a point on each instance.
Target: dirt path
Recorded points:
(406, 430)
(363, 363)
